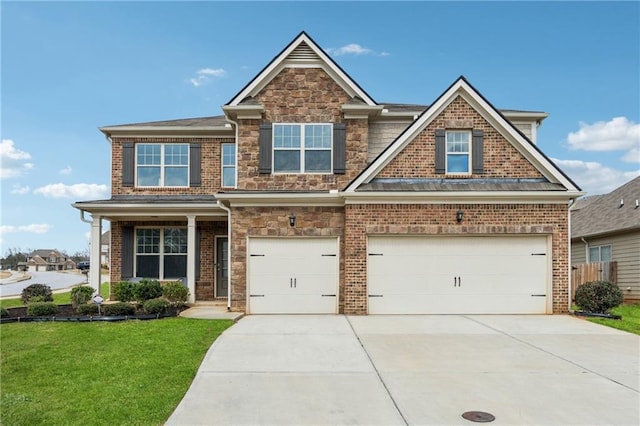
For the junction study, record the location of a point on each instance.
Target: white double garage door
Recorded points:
(405, 275)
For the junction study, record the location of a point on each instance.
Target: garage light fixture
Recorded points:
(292, 219)
(459, 215)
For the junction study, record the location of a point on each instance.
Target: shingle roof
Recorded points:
(213, 121)
(432, 185)
(604, 214)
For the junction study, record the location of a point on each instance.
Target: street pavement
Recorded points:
(416, 370)
(55, 280)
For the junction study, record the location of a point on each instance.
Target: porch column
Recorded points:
(95, 266)
(191, 257)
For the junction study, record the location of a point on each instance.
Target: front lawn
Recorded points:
(131, 372)
(630, 318)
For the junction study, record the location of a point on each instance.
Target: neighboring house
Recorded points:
(49, 260)
(606, 228)
(307, 196)
(105, 248)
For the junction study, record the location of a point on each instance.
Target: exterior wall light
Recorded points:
(459, 215)
(292, 219)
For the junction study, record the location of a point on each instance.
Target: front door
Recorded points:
(222, 266)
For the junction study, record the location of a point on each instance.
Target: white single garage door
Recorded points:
(458, 275)
(293, 275)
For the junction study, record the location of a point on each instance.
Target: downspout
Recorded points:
(228, 210)
(586, 250)
(82, 212)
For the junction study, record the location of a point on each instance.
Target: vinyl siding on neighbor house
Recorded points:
(625, 249)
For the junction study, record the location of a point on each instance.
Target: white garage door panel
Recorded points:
(457, 274)
(293, 275)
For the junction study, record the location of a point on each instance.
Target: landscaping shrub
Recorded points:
(87, 309)
(156, 306)
(124, 291)
(175, 292)
(42, 309)
(34, 290)
(117, 309)
(4, 313)
(598, 296)
(147, 290)
(81, 295)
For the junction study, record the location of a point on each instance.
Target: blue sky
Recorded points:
(70, 67)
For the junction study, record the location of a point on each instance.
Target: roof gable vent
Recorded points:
(303, 53)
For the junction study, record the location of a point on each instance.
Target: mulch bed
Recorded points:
(66, 313)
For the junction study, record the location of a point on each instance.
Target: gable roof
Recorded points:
(605, 214)
(461, 87)
(302, 52)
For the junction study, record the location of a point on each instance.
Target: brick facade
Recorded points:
(432, 219)
(501, 159)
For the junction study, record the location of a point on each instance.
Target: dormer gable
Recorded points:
(302, 52)
(463, 92)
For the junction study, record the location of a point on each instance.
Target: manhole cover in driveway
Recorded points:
(479, 416)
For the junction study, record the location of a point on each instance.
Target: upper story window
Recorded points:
(600, 254)
(162, 165)
(302, 148)
(458, 145)
(228, 164)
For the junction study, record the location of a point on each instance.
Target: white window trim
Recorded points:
(468, 153)
(161, 254)
(301, 149)
(222, 166)
(599, 247)
(162, 165)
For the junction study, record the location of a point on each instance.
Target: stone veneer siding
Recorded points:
(479, 219)
(208, 231)
(274, 222)
(500, 158)
(210, 162)
(300, 95)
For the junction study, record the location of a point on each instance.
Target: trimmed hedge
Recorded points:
(4, 313)
(81, 295)
(598, 296)
(147, 290)
(156, 306)
(42, 309)
(175, 292)
(123, 291)
(36, 290)
(117, 309)
(88, 309)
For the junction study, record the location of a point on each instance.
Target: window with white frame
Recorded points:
(458, 159)
(162, 164)
(228, 164)
(600, 253)
(161, 253)
(302, 148)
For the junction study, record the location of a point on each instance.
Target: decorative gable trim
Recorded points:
(461, 87)
(302, 52)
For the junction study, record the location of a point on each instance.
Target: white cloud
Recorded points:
(21, 190)
(204, 76)
(35, 228)
(353, 49)
(13, 162)
(618, 134)
(593, 177)
(66, 171)
(79, 190)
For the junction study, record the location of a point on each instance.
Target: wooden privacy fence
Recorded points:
(587, 272)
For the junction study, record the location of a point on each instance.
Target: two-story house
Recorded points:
(307, 196)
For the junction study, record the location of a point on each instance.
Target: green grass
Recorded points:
(126, 373)
(59, 298)
(630, 318)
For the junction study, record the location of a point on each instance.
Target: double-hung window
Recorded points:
(600, 254)
(162, 165)
(458, 154)
(302, 148)
(229, 165)
(161, 253)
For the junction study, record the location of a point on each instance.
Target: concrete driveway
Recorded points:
(417, 370)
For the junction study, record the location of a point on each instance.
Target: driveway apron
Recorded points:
(417, 370)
